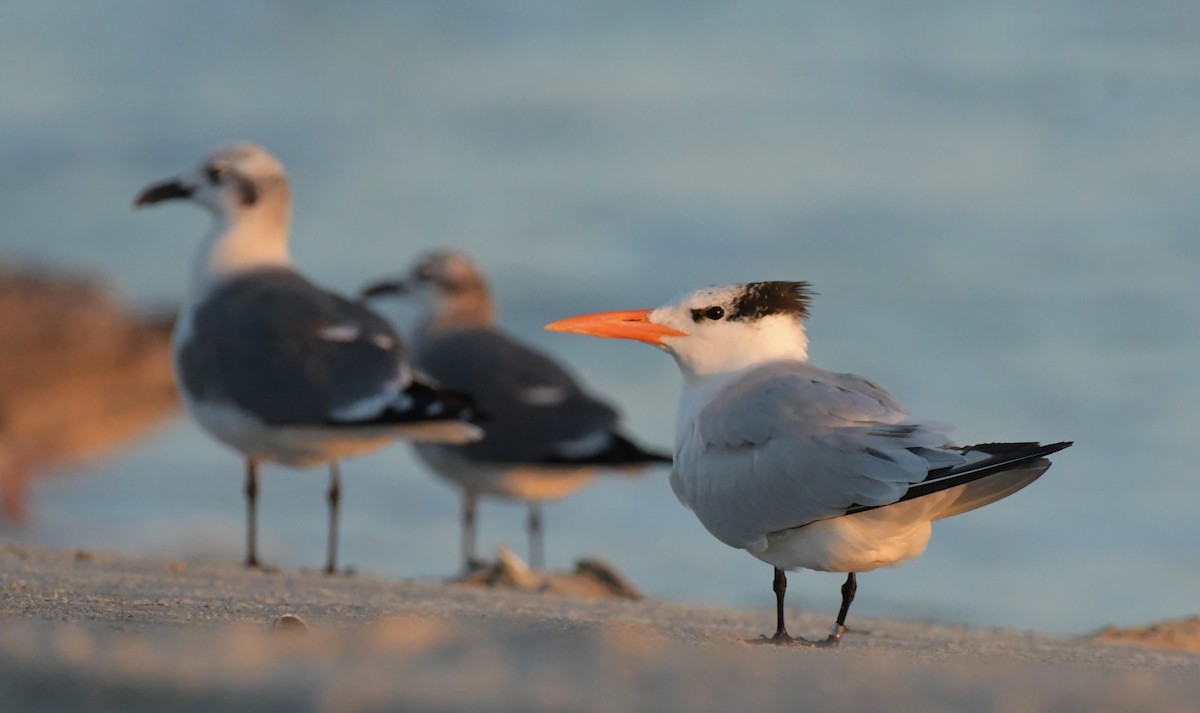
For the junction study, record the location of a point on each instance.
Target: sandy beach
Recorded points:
(99, 632)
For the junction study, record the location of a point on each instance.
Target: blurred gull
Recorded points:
(79, 375)
(271, 364)
(546, 437)
(802, 467)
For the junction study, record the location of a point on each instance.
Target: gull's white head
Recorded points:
(451, 287)
(245, 188)
(237, 179)
(714, 330)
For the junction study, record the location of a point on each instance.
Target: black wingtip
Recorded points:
(1005, 456)
(1025, 449)
(426, 404)
(620, 453)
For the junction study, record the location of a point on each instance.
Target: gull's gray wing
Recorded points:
(534, 410)
(273, 344)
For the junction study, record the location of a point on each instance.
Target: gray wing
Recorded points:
(789, 444)
(274, 344)
(533, 410)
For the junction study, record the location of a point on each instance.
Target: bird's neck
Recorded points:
(699, 389)
(253, 240)
(462, 310)
(742, 351)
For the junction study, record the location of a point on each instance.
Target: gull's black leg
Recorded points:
(780, 587)
(468, 531)
(537, 551)
(335, 498)
(251, 507)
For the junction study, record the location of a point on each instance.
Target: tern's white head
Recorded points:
(713, 330)
(453, 290)
(246, 190)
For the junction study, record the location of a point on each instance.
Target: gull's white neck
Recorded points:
(245, 241)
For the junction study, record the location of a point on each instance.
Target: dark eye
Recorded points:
(714, 313)
(214, 173)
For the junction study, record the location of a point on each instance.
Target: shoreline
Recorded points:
(82, 630)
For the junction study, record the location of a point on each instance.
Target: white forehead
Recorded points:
(706, 296)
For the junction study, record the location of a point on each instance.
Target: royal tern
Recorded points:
(801, 467)
(546, 437)
(271, 364)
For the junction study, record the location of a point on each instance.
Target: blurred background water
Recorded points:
(997, 204)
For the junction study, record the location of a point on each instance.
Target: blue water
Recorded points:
(997, 204)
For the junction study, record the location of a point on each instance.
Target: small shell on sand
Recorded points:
(290, 624)
(591, 579)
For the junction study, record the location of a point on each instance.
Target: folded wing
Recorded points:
(788, 444)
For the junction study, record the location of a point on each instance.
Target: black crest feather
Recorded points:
(761, 299)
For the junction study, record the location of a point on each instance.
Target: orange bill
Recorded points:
(631, 324)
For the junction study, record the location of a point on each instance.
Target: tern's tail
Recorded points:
(992, 471)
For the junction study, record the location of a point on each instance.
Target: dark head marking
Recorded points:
(761, 299)
(714, 313)
(450, 272)
(247, 191)
(217, 171)
(214, 173)
(426, 270)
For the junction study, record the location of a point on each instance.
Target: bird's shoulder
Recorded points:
(793, 399)
(290, 309)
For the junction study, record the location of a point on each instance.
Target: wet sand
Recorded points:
(98, 632)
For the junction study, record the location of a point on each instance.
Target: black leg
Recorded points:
(335, 498)
(849, 588)
(468, 530)
(779, 586)
(536, 546)
(251, 507)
